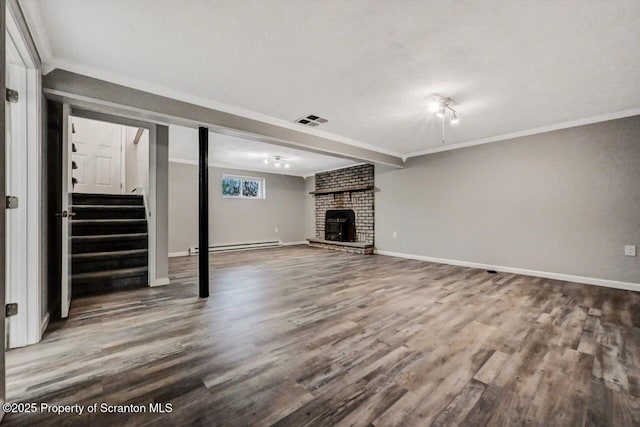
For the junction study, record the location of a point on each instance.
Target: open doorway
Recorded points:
(108, 226)
(109, 158)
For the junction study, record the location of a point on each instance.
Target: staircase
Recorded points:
(109, 243)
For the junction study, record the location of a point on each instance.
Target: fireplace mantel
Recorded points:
(343, 190)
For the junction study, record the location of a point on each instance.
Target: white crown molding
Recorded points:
(72, 66)
(543, 129)
(38, 31)
(514, 270)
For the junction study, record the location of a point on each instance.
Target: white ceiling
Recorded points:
(231, 152)
(368, 66)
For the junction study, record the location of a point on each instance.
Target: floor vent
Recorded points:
(239, 246)
(311, 120)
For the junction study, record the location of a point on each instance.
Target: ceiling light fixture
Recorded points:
(434, 105)
(277, 161)
(440, 105)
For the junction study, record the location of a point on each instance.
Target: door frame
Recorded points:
(28, 289)
(87, 113)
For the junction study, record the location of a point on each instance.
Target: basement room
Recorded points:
(320, 213)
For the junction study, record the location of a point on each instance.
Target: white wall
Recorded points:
(562, 202)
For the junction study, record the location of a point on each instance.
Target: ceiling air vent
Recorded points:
(311, 120)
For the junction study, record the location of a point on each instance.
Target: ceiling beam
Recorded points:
(88, 92)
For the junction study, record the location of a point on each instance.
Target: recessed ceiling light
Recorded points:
(287, 165)
(266, 161)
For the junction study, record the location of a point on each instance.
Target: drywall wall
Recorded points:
(562, 202)
(234, 220)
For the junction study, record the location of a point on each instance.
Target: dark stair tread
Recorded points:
(110, 274)
(107, 199)
(112, 254)
(108, 196)
(109, 221)
(103, 237)
(108, 207)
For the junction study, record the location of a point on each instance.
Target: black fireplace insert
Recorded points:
(340, 225)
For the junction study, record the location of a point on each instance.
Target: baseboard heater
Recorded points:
(239, 246)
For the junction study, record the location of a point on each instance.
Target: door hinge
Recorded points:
(12, 96)
(11, 309)
(12, 202)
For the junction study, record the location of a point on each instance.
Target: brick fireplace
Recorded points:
(338, 193)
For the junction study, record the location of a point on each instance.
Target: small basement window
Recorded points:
(242, 187)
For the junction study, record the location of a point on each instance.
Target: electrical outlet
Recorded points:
(630, 250)
(276, 230)
(395, 234)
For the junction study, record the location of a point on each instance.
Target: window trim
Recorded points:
(262, 190)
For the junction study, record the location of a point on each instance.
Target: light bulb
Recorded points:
(287, 165)
(440, 112)
(433, 105)
(277, 164)
(454, 119)
(266, 161)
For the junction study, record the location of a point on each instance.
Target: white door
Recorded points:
(97, 157)
(66, 213)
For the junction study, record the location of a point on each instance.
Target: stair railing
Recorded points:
(147, 211)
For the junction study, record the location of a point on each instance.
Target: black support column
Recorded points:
(203, 213)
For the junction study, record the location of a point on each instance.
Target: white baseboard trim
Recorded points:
(629, 286)
(303, 242)
(43, 325)
(177, 254)
(187, 253)
(160, 282)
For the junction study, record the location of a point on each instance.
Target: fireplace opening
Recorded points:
(340, 225)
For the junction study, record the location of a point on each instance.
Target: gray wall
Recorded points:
(562, 202)
(234, 220)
